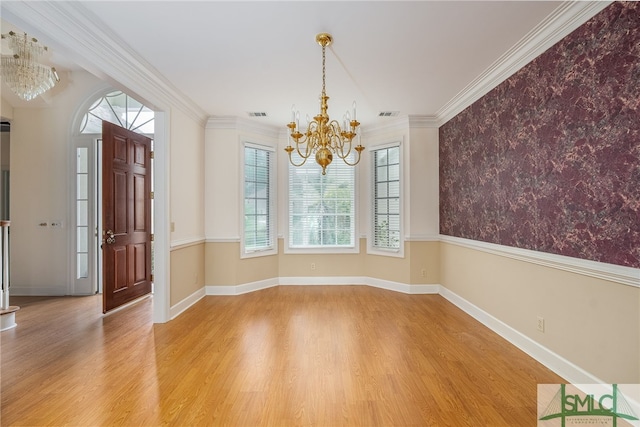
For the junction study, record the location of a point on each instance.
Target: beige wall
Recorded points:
(593, 323)
(186, 178)
(6, 110)
(224, 267)
(326, 265)
(40, 177)
(187, 271)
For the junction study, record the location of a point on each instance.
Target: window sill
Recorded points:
(258, 253)
(396, 253)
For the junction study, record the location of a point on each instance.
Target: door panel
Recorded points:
(119, 206)
(120, 267)
(140, 254)
(139, 212)
(126, 196)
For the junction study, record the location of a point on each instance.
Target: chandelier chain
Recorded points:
(324, 91)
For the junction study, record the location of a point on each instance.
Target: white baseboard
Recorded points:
(402, 287)
(327, 280)
(241, 289)
(561, 366)
(183, 305)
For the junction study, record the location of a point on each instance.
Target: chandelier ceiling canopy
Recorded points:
(324, 137)
(22, 72)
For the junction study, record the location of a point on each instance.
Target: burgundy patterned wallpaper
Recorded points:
(550, 159)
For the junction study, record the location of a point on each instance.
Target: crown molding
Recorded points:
(416, 121)
(396, 124)
(71, 28)
(243, 125)
(561, 22)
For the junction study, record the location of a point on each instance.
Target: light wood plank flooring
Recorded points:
(289, 355)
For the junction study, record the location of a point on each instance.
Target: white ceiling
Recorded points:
(235, 57)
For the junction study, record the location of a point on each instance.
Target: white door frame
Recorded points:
(161, 244)
(161, 273)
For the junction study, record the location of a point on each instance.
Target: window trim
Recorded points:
(325, 250)
(371, 249)
(273, 221)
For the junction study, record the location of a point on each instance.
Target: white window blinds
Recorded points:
(386, 198)
(258, 225)
(322, 207)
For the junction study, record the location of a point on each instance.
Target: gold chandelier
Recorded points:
(22, 72)
(323, 136)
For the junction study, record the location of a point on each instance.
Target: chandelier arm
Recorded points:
(341, 154)
(340, 141)
(336, 132)
(304, 160)
(344, 159)
(307, 151)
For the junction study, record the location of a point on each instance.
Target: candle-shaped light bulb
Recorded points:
(293, 113)
(297, 119)
(308, 120)
(354, 110)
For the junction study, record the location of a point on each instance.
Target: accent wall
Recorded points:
(549, 160)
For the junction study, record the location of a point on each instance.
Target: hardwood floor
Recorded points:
(289, 355)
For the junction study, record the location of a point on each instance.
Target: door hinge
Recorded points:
(152, 277)
(151, 154)
(152, 237)
(151, 195)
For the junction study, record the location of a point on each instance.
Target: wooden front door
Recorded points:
(126, 215)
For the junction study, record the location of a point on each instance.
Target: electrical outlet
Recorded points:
(541, 324)
(313, 265)
(424, 272)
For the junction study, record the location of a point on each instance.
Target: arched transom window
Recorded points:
(118, 108)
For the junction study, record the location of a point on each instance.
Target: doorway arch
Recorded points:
(124, 110)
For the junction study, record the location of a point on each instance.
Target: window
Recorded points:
(82, 216)
(322, 207)
(386, 199)
(258, 235)
(118, 108)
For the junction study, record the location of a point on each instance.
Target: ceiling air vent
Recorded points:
(257, 114)
(388, 113)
